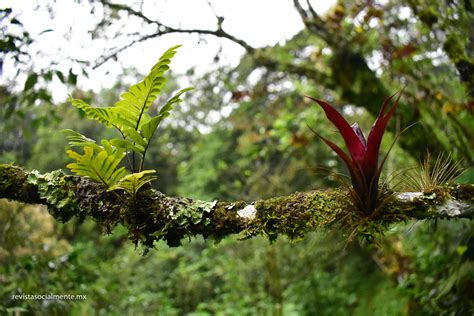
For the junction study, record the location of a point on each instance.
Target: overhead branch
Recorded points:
(315, 24)
(153, 216)
(129, 10)
(162, 29)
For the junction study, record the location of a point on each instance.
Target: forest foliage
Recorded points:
(354, 56)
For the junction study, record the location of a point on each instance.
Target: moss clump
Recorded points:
(294, 215)
(371, 225)
(94, 201)
(13, 185)
(174, 219)
(224, 220)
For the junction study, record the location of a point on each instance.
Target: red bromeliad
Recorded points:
(363, 162)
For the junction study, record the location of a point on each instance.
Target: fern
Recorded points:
(129, 111)
(131, 118)
(133, 182)
(76, 139)
(100, 166)
(139, 97)
(103, 115)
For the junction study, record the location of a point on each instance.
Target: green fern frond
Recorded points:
(136, 101)
(76, 139)
(135, 136)
(127, 145)
(129, 115)
(104, 115)
(133, 182)
(131, 109)
(148, 129)
(175, 99)
(100, 167)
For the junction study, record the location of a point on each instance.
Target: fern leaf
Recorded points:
(175, 99)
(104, 115)
(129, 115)
(133, 182)
(136, 101)
(128, 145)
(135, 136)
(101, 167)
(76, 139)
(107, 146)
(148, 129)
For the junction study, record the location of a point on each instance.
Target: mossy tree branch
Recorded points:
(154, 216)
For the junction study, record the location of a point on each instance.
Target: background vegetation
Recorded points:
(242, 134)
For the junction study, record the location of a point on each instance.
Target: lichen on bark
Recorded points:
(152, 216)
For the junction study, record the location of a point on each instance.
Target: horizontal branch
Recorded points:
(153, 216)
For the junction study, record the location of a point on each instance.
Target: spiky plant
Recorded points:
(363, 159)
(428, 175)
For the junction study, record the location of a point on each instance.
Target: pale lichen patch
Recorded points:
(248, 212)
(409, 196)
(453, 208)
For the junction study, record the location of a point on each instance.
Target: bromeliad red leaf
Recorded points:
(353, 142)
(364, 154)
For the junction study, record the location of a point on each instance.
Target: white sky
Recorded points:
(258, 22)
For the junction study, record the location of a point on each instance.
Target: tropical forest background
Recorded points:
(243, 134)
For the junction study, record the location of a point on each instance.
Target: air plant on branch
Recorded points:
(428, 175)
(363, 159)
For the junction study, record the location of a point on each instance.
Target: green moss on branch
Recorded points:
(153, 216)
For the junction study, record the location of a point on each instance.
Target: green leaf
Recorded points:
(30, 82)
(107, 146)
(48, 76)
(136, 101)
(60, 76)
(72, 78)
(104, 115)
(461, 249)
(149, 128)
(135, 136)
(175, 99)
(133, 182)
(128, 145)
(100, 167)
(76, 139)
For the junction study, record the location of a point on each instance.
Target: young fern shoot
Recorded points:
(131, 118)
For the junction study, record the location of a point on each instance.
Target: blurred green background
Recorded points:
(243, 134)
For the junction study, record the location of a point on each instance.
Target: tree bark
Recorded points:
(153, 216)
